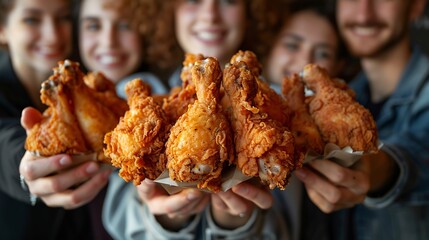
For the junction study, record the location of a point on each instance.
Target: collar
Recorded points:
(413, 77)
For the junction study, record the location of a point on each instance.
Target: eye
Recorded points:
(323, 54)
(291, 45)
(124, 25)
(31, 20)
(91, 25)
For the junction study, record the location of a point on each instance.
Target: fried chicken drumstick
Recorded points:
(200, 143)
(339, 117)
(264, 146)
(303, 127)
(79, 115)
(136, 145)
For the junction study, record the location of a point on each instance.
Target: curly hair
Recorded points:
(165, 51)
(140, 14)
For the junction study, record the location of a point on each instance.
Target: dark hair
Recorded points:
(324, 9)
(5, 7)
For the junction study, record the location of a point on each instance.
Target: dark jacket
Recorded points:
(18, 219)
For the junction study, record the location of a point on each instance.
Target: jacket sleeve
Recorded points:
(125, 217)
(12, 139)
(410, 149)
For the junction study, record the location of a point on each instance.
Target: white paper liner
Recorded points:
(345, 157)
(231, 176)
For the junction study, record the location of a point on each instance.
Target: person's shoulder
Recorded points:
(156, 84)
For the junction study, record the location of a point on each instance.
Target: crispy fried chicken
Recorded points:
(200, 143)
(137, 144)
(263, 145)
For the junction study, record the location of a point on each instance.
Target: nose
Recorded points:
(108, 36)
(209, 10)
(364, 11)
(51, 31)
(301, 59)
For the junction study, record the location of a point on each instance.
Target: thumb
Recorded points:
(29, 117)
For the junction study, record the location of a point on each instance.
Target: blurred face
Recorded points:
(211, 27)
(108, 43)
(38, 34)
(371, 27)
(306, 37)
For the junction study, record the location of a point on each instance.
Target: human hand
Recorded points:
(332, 187)
(234, 207)
(172, 211)
(57, 180)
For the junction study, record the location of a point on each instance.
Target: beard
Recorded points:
(380, 47)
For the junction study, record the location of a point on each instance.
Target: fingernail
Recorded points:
(65, 161)
(241, 190)
(92, 168)
(300, 173)
(192, 195)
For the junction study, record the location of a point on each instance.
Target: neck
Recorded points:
(31, 79)
(385, 70)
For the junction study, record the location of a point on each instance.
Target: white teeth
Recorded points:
(109, 59)
(209, 36)
(365, 31)
(48, 51)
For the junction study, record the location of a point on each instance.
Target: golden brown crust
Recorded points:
(339, 117)
(136, 144)
(200, 142)
(78, 115)
(264, 146)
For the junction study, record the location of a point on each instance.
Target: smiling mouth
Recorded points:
(365, 31)
(109, 60)
(210, 36)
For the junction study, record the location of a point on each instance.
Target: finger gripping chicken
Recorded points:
(136, 145)
(340, 119)
(264, 147)
(200, 142)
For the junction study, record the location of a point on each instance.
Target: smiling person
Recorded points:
(215, 28)
(392, 203)
(109, 43)
(308, 35)
(108, 32)
(111, 40)
(36, 34)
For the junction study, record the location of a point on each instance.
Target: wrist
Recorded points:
(173, 223)
(384, 174)
(225, 220)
